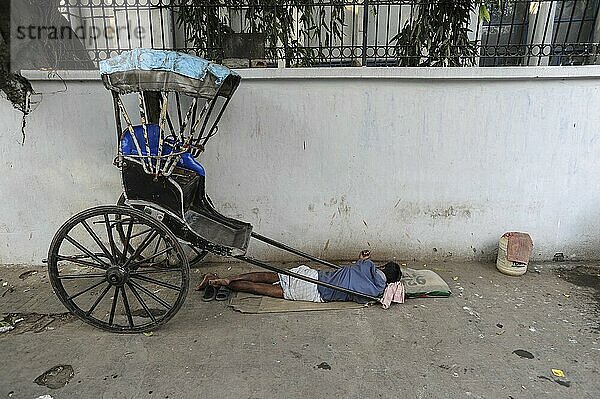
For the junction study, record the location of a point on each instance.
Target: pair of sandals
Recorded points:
(211, 292)
(215, 293)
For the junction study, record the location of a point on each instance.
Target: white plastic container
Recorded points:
(506, 266)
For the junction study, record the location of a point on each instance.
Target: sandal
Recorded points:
(222, 294)
(210, 293)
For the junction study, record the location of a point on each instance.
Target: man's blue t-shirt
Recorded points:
(361, 277)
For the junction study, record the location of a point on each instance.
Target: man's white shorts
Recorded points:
(295, 289)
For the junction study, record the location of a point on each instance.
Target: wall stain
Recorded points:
(451, 211)
(230, 210)
(256, 213)
(411, 210)
(332, 201)
(343, 207)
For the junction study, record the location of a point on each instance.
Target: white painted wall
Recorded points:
(413, 163)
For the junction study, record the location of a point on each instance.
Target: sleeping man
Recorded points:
(363, 276)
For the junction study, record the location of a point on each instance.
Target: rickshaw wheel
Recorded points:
(109, 287)
(193, 254)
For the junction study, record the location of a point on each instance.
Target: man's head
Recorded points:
(392, 272)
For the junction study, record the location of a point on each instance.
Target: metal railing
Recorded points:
(304, 33)
(541, 33)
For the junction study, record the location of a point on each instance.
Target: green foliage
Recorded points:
(438, 35)
(484, 13)
(205, 21)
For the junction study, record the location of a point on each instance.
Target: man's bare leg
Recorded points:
(259, 283)
(272, 290)
(255, 277)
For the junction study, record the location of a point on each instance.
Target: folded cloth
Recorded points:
(394, 292)
(519, 247)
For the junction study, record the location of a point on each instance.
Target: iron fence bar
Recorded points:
(487, 36)
(304, 278)
(503, 6)
(412, 10)
(320, 53)
(376, 38)
(530, 41)
(69, 19)
(331, 36)
(583, 20)
(102, 7)
(365, 31)
(387, 31)
(162, 26)
(570, 21)
(172, 11)
(117, 34)
(512, 23)
(150, 14)
(562, 7)
(523, 29)
(543, 44)
(139, 21)
(125, 5)
(353, 39)
(591, 37)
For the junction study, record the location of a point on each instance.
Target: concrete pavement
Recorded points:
(459, 347)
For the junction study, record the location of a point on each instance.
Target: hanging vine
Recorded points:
(286, 25)
(438, 35)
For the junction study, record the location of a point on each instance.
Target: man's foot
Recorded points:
(364, 254)
(205, 280)
(219, 282)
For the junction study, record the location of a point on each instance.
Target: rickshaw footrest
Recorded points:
(217, 232)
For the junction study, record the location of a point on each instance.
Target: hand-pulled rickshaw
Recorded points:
(125, 267)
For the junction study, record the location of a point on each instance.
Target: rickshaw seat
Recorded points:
(187, 161)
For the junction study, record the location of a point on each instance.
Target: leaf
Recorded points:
(484, 13)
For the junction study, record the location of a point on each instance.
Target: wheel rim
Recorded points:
(112, 288)
(193, 254)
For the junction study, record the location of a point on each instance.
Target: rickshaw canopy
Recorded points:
(167, 71)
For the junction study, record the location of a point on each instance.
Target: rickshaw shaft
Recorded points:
(292, 250)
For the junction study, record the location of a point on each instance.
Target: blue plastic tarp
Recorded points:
(163, 60)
